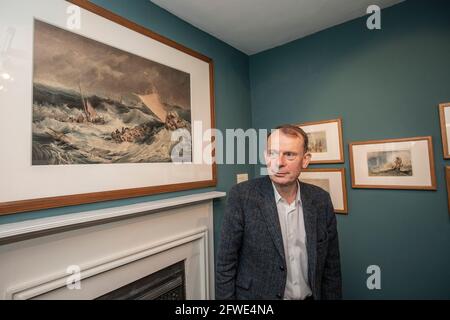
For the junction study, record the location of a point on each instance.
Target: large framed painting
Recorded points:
(393, 164)
(444, 116)
(324, 140)
(96, 107)
(331, 180)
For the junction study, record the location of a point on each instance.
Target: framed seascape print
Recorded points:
(325, 141)
(393, 164)
(332, 181)
(444, 116)
(96, 107)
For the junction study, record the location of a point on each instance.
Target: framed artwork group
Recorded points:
(325, 144)
(406, 163)
(96, 105)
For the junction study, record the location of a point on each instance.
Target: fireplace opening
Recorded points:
(165, 284)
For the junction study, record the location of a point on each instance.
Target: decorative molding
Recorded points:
(56, 281)
(11, 232)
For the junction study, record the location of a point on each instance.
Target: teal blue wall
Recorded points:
(384, 84)
(232, 95)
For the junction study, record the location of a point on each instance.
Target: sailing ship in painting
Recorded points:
(93, 103)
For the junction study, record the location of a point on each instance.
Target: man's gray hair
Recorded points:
(291, 130)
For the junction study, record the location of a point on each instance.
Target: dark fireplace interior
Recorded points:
(166, 284)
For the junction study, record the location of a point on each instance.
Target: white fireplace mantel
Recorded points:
(31, 228)
(112, 247)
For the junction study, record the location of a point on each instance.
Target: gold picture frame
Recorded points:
(325, 140)
(333, 181)
(444, 132)
(406, 163)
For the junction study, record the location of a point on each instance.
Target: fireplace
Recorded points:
(162, 249)
(165, 284)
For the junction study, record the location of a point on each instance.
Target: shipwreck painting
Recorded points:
(390, 163)
(93, 103)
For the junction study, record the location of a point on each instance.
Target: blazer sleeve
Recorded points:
(332, 281)
(229, 246)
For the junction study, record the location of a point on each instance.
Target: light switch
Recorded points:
(242, 177)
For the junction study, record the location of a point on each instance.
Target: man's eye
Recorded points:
(290, 155)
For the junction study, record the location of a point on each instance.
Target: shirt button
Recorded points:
(279, 296)
(281, 268)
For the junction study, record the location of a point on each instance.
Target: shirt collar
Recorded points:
(278, 196)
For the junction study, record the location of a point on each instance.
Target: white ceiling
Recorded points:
(253, 26)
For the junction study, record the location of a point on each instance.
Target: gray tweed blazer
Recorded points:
(251, 262)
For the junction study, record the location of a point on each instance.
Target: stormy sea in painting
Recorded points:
(115, 133)
(95, 104)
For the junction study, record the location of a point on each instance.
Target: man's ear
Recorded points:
(306, 159)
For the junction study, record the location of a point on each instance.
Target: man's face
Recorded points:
(285, 158)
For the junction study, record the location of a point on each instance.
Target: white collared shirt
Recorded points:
(294, 242)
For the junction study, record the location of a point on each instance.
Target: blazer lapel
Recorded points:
(270, 213)
(310, 218)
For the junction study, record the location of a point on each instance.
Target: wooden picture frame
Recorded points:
(325, 141)
(444, 108)
(335, 185)
(27, 187)
(406, 163)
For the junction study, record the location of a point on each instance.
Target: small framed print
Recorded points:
(331, 180)
(325, 141)
(393, 164)
(444, 116)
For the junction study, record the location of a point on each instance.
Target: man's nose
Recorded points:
(281, 160)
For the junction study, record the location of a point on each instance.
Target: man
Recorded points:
(279, 238)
